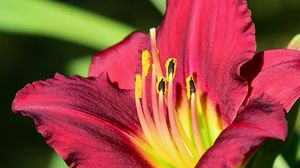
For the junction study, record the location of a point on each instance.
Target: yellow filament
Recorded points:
(179, 127)
(153, 142)
(185, 138)
(146, 62)
(138, 86)
(147, 114)
(185, 153)
(195, 123)
(160, 121)
(167, 67)
(159, 116)
(168, 141)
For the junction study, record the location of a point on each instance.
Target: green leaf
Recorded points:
(55, 19)
(56, 162)
(160, 5)
(298, 152)
(79, 66)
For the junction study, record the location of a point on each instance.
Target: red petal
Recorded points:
(120, 61)
(275, 72)
(260, 119)
(87, 121)
(211, 39)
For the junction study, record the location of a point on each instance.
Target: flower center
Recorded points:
(173, 136)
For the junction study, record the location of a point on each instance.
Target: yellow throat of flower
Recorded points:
(173, 136)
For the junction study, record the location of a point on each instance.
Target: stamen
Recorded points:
(161, 85)
(190, 87)
(146, 62)
(195, 122)
(185, 153)
(155, 52)
(145, 66)
(151, 139)
(143, 122)
(159, 118)
(146, 108)
(166, 134)
(171, 138)
(171, 66)
(194, 115)
(138, 86)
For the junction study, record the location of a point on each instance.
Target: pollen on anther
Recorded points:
(138, 86)
(161, 85)
(190, 87)
(146, 62)
(171, 66)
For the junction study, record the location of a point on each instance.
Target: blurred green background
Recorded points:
(41, 37)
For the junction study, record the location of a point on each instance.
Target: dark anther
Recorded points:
(171, 67)
(192, 86)
(162, 85)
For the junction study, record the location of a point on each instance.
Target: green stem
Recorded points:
(58, 20)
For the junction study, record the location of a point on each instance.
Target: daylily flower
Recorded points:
(192, 93)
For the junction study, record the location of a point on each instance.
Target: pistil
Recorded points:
(154, 101)
(155, 52)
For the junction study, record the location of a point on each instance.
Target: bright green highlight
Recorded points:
(295, 43)
(56, 162)
(79, 66)
(58, 20)
(280, 162)
(160, 5)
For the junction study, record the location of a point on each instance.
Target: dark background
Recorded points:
(26, 58)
